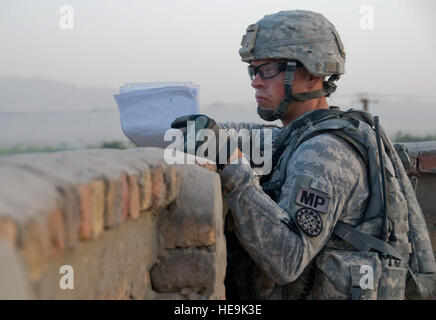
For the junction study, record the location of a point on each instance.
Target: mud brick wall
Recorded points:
(130, 226)
(423, 175)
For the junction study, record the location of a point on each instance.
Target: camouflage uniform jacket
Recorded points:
(326, 182)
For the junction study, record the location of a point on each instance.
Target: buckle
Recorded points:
(290, 69)
(278, 114)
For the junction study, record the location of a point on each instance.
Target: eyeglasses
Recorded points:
(267, 70)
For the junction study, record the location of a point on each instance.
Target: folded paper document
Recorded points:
(147, 109)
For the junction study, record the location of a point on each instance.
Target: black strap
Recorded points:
(289, 78)
(303, 96)
(385, 226)
(363, 241)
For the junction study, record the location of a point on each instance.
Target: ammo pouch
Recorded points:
(392, 284)
(357, 275)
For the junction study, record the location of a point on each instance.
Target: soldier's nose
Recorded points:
(257, 82)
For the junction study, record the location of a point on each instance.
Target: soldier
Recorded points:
(336, 218)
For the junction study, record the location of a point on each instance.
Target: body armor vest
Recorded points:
(393, 225)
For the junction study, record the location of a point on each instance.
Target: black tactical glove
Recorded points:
(204, 122)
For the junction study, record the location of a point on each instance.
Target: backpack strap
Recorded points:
(363, 241)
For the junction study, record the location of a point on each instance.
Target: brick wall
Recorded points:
(130, 226)
(423, 175)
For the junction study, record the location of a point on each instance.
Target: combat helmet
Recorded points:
(300, 37)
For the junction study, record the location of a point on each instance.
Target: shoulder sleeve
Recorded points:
(283, 237)
(326, 181)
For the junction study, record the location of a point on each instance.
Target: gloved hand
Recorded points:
(202, 121)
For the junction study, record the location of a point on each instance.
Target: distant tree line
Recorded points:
(32, 149)
(115, 144)
(408, 137)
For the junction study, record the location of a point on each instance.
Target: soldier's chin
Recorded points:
(264, 106)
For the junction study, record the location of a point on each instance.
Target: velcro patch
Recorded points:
(313, 199)
(309, 221)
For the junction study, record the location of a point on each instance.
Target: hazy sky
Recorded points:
(118, 41)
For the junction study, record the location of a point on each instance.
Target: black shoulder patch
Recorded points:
(309, 221)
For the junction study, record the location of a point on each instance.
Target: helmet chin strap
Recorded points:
(279, 112)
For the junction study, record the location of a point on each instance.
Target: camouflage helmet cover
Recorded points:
(305, 36)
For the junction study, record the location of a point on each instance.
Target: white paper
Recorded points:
(147, 109)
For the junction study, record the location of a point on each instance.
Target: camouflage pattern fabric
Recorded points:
(316, 184)
(300, 35)
(280, 244)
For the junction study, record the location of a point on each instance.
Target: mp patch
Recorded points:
(312, 199)
(309, 221)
